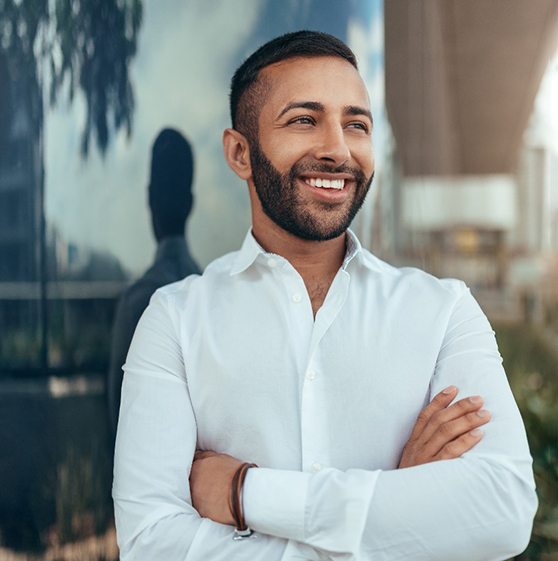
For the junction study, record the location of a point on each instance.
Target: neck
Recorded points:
(316, 262)
(304, 255)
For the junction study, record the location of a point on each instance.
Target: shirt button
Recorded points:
(297, 297)
(316, 467)
(311, 375)
(272, 263)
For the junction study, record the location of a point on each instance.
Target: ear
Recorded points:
(237, 153)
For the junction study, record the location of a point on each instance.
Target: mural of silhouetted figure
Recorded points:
(170, 203)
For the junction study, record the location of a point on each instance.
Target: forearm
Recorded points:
(186, 536)
(463, 509)
(155, 519)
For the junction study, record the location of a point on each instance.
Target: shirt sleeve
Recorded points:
(477, 507)
(128, 313)
(155, 444)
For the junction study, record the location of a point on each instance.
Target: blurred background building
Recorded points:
(476, 194)
(466, 140)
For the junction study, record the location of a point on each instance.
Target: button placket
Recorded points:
(314, 437)
(314, 441)
(311, 375)
(315, 467)
(298, 297)
(312, 449)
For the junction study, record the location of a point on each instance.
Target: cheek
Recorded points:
(365, 159)
(283, 154)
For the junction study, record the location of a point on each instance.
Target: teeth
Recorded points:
(326, 183)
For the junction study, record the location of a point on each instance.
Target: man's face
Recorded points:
(312, 164)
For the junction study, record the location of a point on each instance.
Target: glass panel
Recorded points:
(85, 88)
(20, 311)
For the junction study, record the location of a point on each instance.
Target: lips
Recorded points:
(330, 188)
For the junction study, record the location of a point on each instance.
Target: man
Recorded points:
(337, 374)
(170, 204)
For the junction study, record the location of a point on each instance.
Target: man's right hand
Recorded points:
(444, 431)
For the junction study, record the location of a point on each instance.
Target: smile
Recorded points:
(325, 183)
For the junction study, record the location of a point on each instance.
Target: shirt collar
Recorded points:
(247, 254)
(354, 248)
(251, 249)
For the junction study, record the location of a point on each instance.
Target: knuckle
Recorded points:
(463, 404)
(452, 449)
(436, 417)
(411, 443)
(446, 429)
(444, 455)
(438, 402)
(473, 419)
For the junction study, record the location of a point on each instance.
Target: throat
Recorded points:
(317, 292)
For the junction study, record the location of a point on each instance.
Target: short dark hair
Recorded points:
(248, 90)
(170, 185)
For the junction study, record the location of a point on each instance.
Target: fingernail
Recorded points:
(476, 399)
(483, 413)
(448, 390)
(476, 432)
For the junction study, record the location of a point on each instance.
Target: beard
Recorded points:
(281, 199)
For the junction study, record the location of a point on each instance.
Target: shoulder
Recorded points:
(134, 299)
(412, 279)
(215, 275)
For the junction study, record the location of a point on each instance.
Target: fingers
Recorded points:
(438, 403)
(444, 431)
(458, 409)
(452, 430)
(460, 445)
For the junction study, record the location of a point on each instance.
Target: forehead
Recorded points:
(332, 81)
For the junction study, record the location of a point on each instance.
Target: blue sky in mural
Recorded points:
(187, 53)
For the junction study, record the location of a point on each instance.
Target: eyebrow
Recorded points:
(356, 110)
(320, 108)
(312, 105)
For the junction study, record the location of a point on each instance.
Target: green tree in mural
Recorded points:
(51, 49)
(55, 46)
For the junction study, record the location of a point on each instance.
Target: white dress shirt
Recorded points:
(234, 361)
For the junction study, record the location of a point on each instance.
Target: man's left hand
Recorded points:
(210, 485)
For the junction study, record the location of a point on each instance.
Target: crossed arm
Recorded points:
(442, 432)
(400, 518)
(479, 506)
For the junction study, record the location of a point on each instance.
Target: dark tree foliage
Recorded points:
(85, 44)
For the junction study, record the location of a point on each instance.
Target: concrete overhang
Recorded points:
(461, 80)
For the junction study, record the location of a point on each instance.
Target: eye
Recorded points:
(302, 120)
(359, 125)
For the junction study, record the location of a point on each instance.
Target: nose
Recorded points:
(333, 146)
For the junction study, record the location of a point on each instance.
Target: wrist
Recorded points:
(235, 501)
